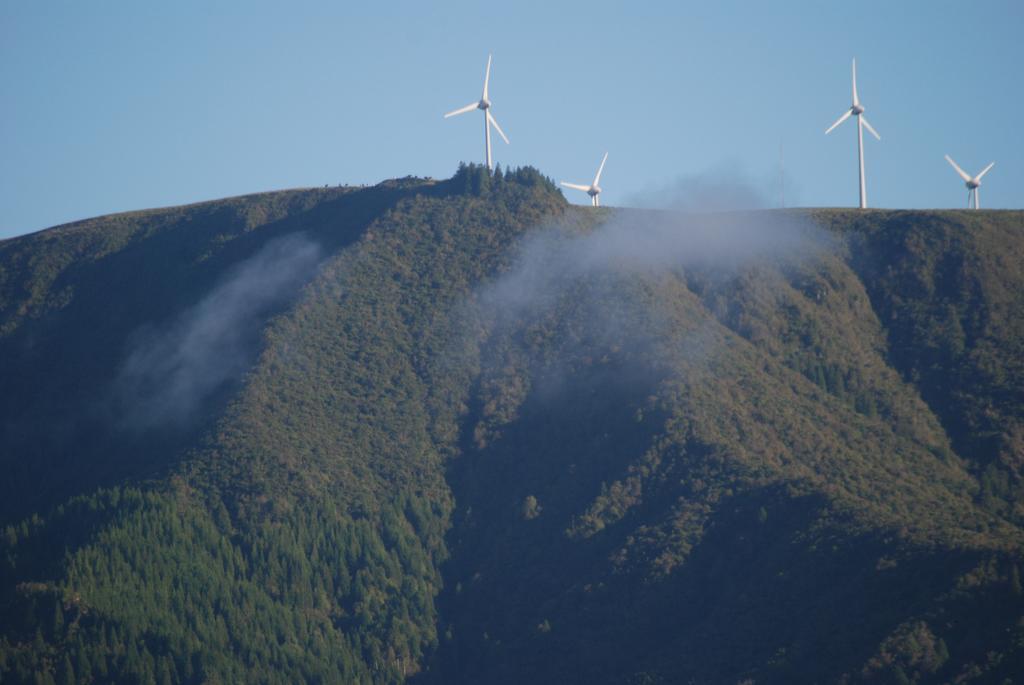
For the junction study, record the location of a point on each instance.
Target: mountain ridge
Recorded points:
(488, 436)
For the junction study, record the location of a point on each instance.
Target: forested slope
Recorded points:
(460, 431)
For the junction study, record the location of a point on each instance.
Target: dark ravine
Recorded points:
(475, 434)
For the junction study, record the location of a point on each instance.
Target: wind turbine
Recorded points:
(593, 190)
(485, 104)
(862, 123)
(972, 183)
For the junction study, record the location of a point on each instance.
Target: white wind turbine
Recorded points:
(862, 123)
(484, 104)
(972, 183)
(593, 190)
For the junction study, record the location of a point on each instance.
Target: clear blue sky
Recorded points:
(113, 106)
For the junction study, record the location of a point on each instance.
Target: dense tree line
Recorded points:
(161, 593)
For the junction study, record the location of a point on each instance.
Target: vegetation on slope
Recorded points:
(214, 572)
(947, 286)
(486, 437)
(75, 300)
(713, 474)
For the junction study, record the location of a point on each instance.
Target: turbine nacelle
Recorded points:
(484, 104)
(857, 109)
(972, 182)
(594, 191)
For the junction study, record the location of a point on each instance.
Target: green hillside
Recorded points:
(462, 431)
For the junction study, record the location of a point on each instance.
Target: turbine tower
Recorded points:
(484, 104)
(862, 123)
(593, 190)
(972, 183)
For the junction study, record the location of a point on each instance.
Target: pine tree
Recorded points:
(58, 618)
(82, 663)
(67, 672)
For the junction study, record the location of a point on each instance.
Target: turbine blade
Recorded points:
(576, 186)
(840, 120)
(963, 174)
(597, 178)
(494, 123)
(463, 110)
(985, 171)
(487, 76)
(868, 127)
(856, 100)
